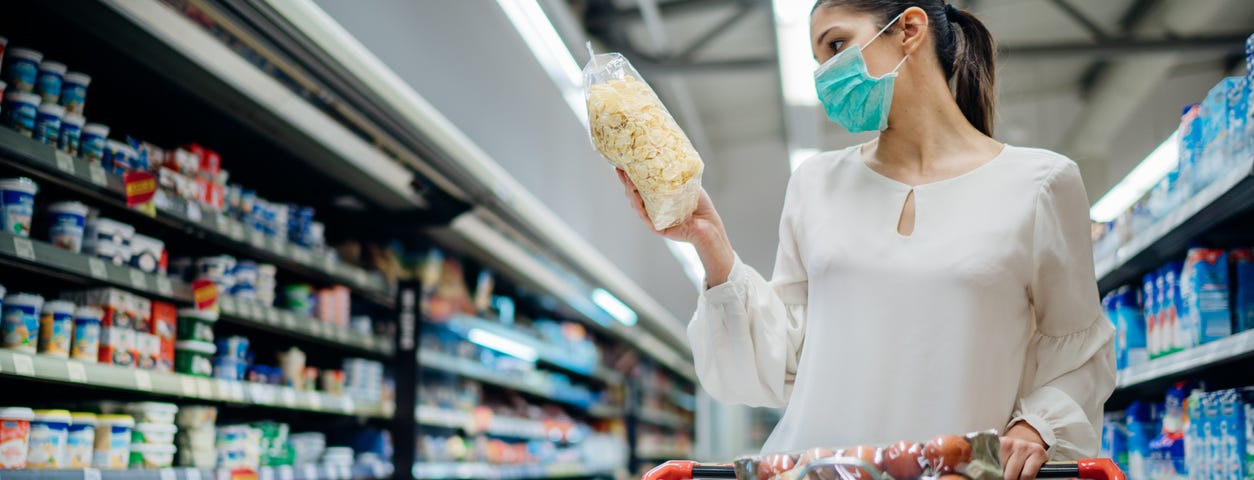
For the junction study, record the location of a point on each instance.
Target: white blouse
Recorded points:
(986, 315)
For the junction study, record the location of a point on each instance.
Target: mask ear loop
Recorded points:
(877, 36)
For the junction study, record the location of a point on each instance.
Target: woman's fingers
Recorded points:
(1021, 459)
(1012, 465)
(1032, 465)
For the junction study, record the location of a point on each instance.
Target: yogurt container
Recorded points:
(48, 83)
(81, 439)
(92, 141)
(119, 157)
(48, 123)
(152, 455)
(14, 431)
(115, 253)
(113, 441)
(71, 132)
(2, 88)
(22, 69)
(197, 417)
(48, 435)
(107, 230)
(20, 322)
(74, 92)
(20, 110)
(4, 42)
(194, 358)
(154, 413)
(86, 344)
(154, 434)
(68, 222)
(118, 347)
(17, 205)
(196, 324)
(56, 325)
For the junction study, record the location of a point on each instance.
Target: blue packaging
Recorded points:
(1232, 434)
(1190, 143)
(71, 132)
(1130, 340)
(1141, 431)
(1240, 147)
(1193, 436)
(20, 110)
(48, 82)
(1149, 309)
(1115, 438)
(48, 123)
(22, 69)
(1242, 276)
(1204, 294)
(1214, 122)
(17, 205)
(74, 92)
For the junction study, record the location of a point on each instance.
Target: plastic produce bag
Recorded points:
(635, 132)
(974, 456)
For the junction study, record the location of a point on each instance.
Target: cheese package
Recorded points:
(635, 132)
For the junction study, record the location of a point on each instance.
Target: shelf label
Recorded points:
(23, 365)
(257, 239)
(314, 400)
(288, 395)
(24, 248)
(360, 275)
(300, 255)
(289, 320)
(96, 174)
(76, 371)
(143, 380)
(189, 386)
(138, 280)
(237, 391)
(191, 474)
(194, 214)
(97, 269)
(341, 333)
(204, 388)
(164, 287)
(347, 405)
(328, 263)
(311, 471)
(278, 245)
(287, 473)
(227, 305)
(91, 474)
(168, 474)
(262, 393)
(272, 317)
(65, 162)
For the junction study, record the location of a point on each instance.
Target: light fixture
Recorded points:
(1140, 180)
(798, 155)
(689, 260)
(502, 344)
(796, 64)
(613, 306)
(546, 44)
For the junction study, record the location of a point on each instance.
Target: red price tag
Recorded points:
(140, 189)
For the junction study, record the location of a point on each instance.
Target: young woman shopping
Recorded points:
(930, 281)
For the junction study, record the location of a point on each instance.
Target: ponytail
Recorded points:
(973, 70)
(964, 47)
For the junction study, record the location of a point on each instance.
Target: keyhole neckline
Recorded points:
(933, 184)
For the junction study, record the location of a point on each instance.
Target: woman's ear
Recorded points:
(914, 26)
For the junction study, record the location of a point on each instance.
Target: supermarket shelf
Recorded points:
(679, 398)
(663, 419)
(309, 472)
(282, 321)
(486, 471)
(500, 426)
(470, 369)
(48, 164)
(1167, 239)
(661, 455)
(39, 255)
(605, 412)
(547, 354)
(1179, 363)
(60, 370)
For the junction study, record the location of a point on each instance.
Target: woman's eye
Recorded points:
(836, 45)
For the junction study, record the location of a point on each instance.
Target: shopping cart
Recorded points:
(1088, 469)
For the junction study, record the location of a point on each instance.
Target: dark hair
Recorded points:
(968, 61)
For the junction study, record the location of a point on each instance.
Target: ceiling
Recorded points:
(1101, 81)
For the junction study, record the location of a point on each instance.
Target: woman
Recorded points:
(930, 281)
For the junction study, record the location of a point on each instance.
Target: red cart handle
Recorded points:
(1087, 469)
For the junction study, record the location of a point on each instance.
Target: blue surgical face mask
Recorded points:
(850, 95)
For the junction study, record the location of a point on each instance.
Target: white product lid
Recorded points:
(26, 53)
(59, 416)
(153, 448)
(51, 66)
(158, 407)
(76, 208)
(31, 98)
(118, 145)
(79, 78)
(17, 413)
(52, 109)
(24, 299)
(82, 418)
(73, 119)
(96, 129)
(21, 184)
(60, 306)
(204, 315)
(122, 420)
(111, 224)
(86, 311)
(157, 428)
(2, 292)
(197, 346)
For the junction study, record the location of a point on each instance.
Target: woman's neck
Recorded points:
(928, 133)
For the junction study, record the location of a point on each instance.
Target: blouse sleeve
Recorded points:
(747, 333)
(1070, 371)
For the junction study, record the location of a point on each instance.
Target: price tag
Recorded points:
(97, 268)
(191, 474)
(23, 248)
(96, 174)
(300, 255)
(347, 405)
(265, 473)
(65, 162)
(138, 280)
(164, 287)
(289, 396)
(224, 388)
(91, 474)
(189, 386)
(346, 472)
(272, 317)
(227, 305)
(23, 365)
(330, 471)
(168, 474)
(143, 380)
(328, 263)
(204, 388)
(341, 334)
(287, 473)
(257, 311)
(257, 239)
(194, 214)
(278, 245)
(314, 400)
(311, 471)
(360, 275)
(260, 393)
(236, 231)
(76, 371)
(237, 391)
(289, 321)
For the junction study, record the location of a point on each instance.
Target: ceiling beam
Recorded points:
(716, 31)
(1080, 18)
(674, 7)
(714, 66)
(1122, 47)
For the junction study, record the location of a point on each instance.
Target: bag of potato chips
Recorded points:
(635, 132)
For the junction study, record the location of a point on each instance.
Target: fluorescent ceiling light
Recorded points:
(689, 260)
(798, 155)
(1140, 180)
(501, 344)
(796, 62)
(613, 306)
(547, 46)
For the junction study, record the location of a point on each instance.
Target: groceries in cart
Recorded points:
(974, 456)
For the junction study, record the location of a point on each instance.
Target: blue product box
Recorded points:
(1238, 111)
(1232, 434)
(1141, 430)
(1204, 294)
(1130, 326)
(1193, 436)
(1191, 145)
(1242, 276)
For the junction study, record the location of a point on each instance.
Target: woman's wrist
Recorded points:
(717, 256)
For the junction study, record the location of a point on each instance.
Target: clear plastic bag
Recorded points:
(635, 132)
(974, 456)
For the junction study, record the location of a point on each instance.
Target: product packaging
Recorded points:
(148, 254)
(48, 123)
(1141, 431)
(113, 441)
(1129, 327)
(21, 69)
(196, 324)
(68, 222)
(48, 435)
(117, 346)
(193, 357)
(71, 133)
(974, 456)
(14, 432)
(92, 142)
(148, 349)
(17, 205)
(20, 111)
(1204, 294)
(165, 327)
(635, 132)
(81, 439)
(48, 83)
(74, 92)
(86, 345)
(20, 322)
(120, 308)
(56, 326)
(1242, 262)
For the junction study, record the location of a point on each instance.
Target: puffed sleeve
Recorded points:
(1070, 369)
(747, 333)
